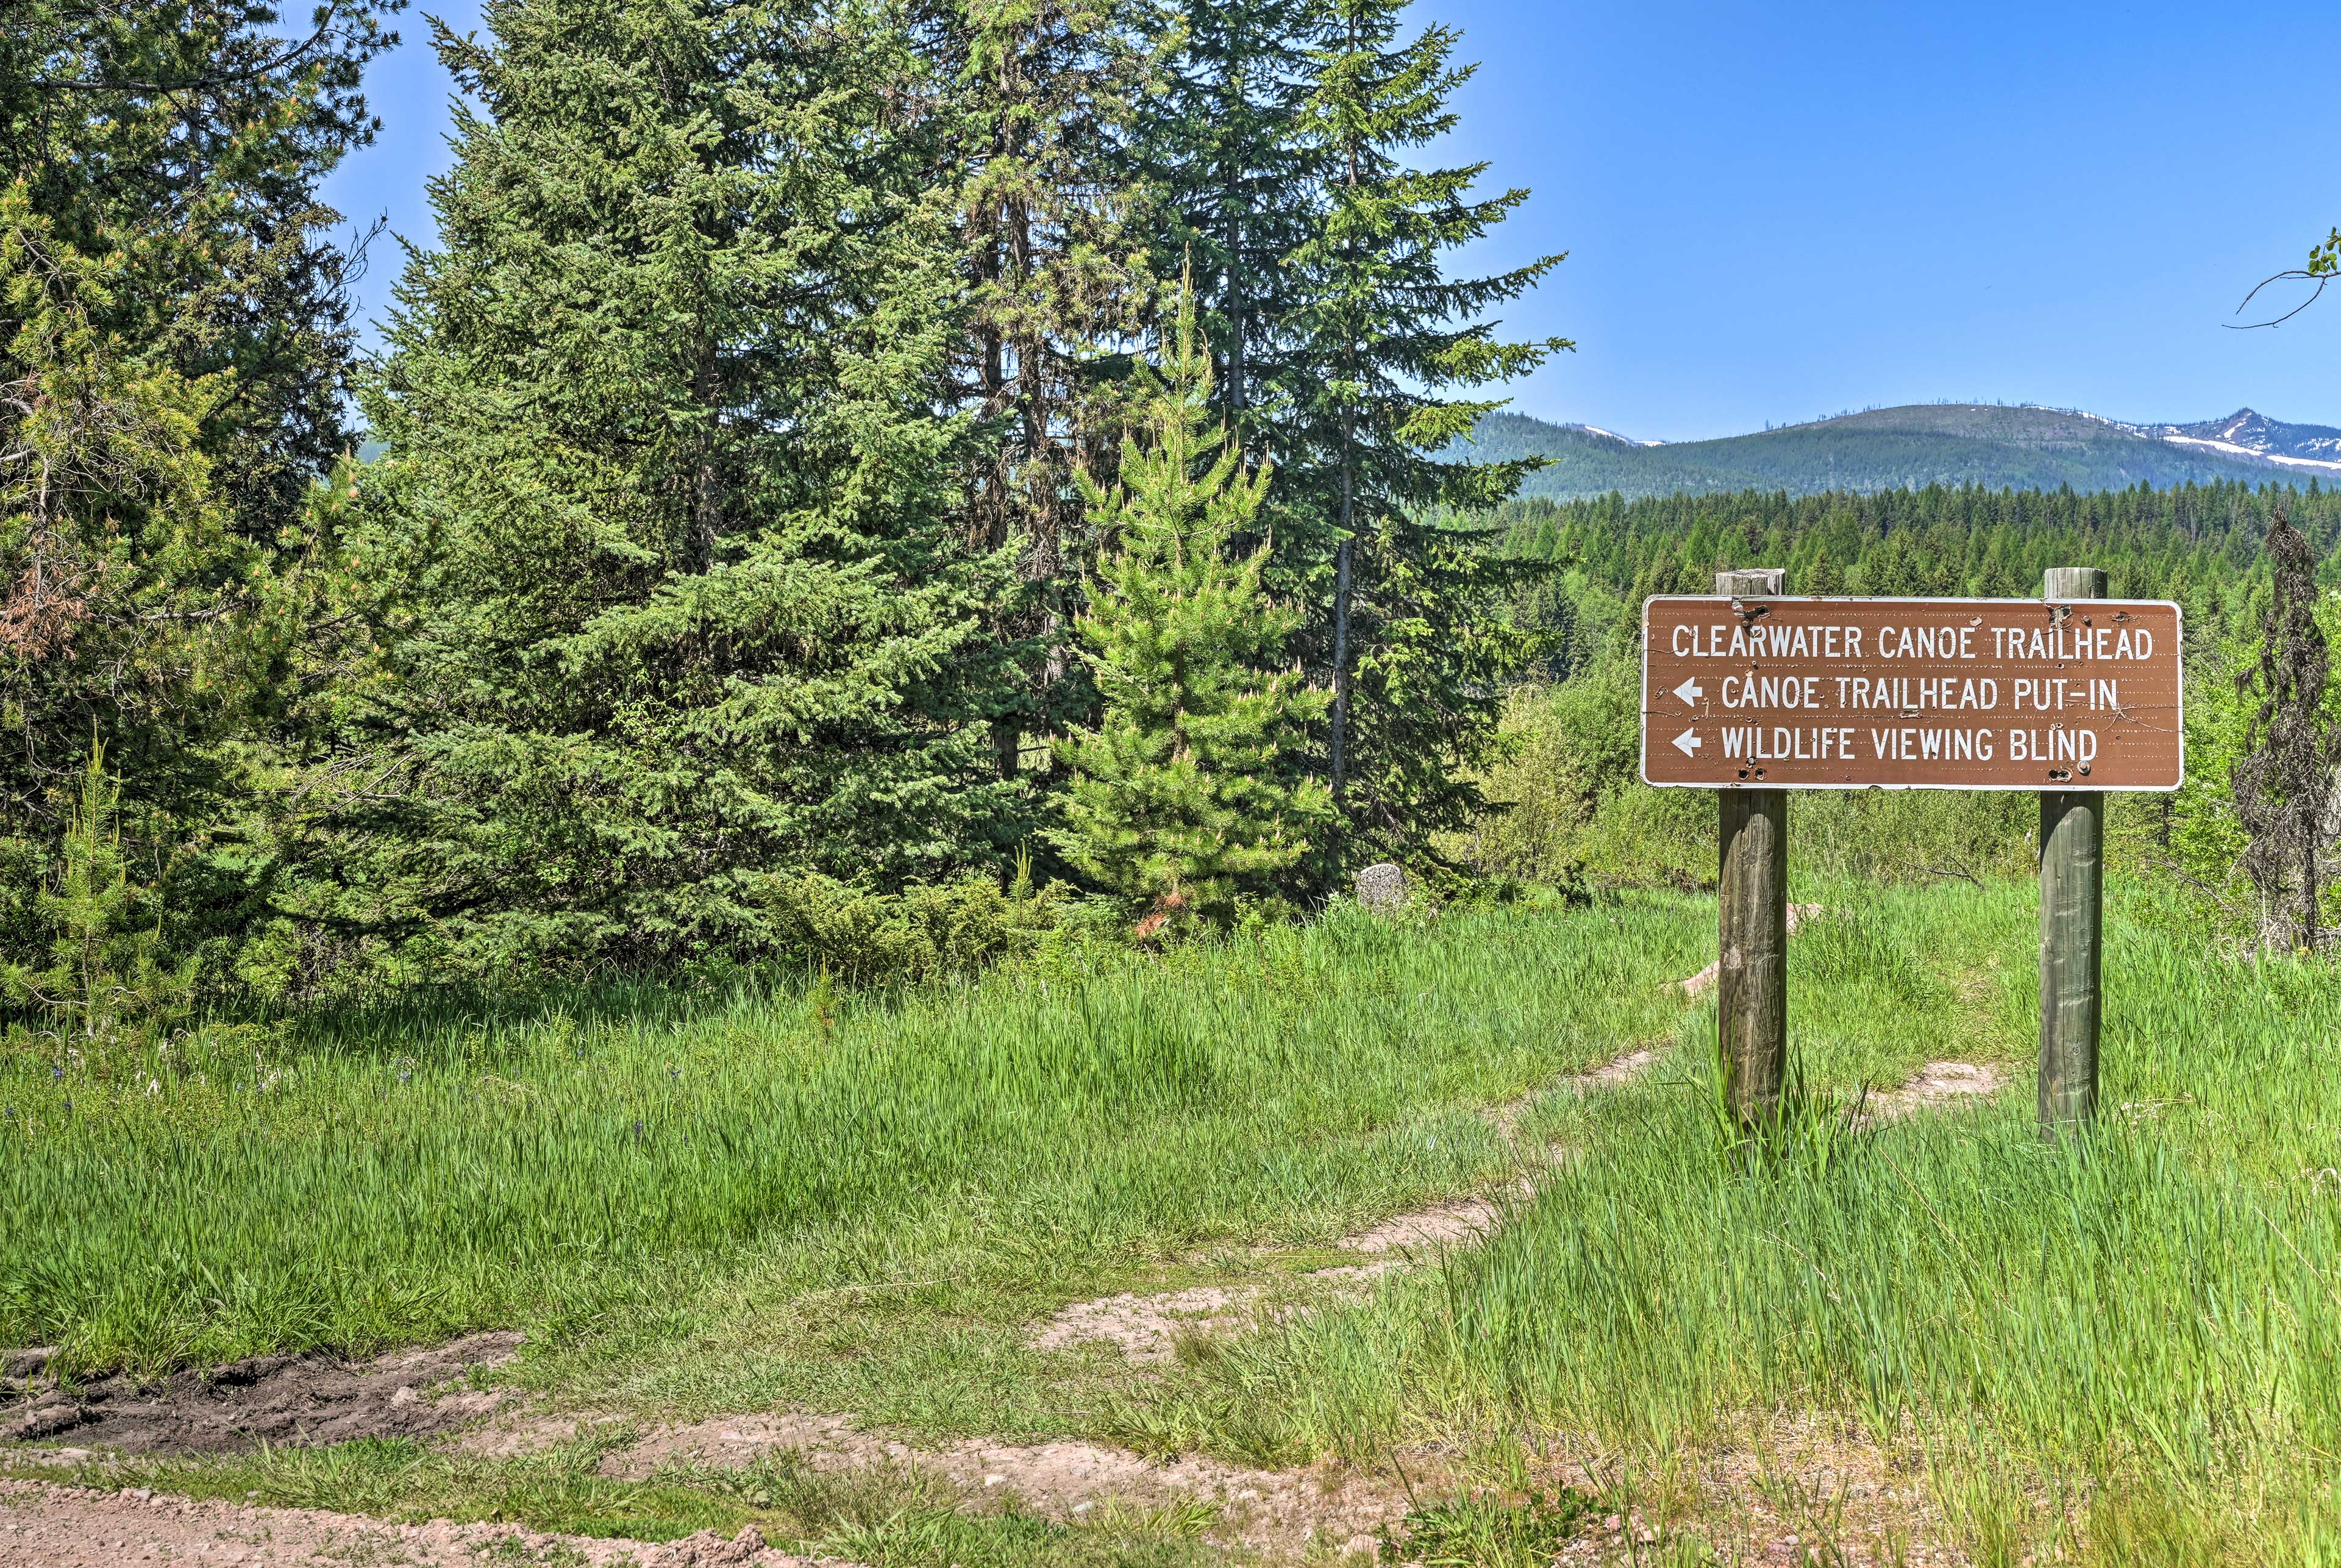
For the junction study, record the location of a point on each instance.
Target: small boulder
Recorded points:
(1381, 886)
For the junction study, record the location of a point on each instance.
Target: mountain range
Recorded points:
(2023, 447)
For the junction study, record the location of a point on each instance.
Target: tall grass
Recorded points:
(2132, 1339)
(414, 1171)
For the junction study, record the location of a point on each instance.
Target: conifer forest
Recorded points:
(696, 896)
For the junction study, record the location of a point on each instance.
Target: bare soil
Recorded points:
(282, 1399)
(46, 1526)
(1938, 1085)
(1146, 1327)
(1272, 1509)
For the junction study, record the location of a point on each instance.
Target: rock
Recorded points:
(28, 1362)
(1381, 886)
(710, 1547)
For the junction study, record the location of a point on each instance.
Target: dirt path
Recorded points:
(1147, 1327)
(299, 1399)
(46, 1526)
(1280, 1510)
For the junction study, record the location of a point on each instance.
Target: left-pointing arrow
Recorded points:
(1687, 741)
(1691, 690)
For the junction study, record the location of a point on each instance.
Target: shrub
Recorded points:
(921, 934)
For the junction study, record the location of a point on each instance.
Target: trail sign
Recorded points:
(1759, 692)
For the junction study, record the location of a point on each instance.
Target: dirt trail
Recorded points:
(1147, 1327)
(46, 1526)
(278, 1399)
(1263, 1509)
(1937, 1086)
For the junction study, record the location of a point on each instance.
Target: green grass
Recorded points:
(2125, 1347)
(636, 1178)
(2135, 1338)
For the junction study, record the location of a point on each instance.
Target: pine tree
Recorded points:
(1038, 97)
(175, 347)
(197, 135)
(1225, 145)
(2285, 778)
(666, 498)
(134, 617)
(1184, 795)
(1418, 647)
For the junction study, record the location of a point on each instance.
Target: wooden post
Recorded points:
(2072, 894)
(1751, 992)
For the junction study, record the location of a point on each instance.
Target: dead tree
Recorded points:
(2285, 778)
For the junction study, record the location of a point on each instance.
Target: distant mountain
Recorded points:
(2021, 448)
(2245, 433)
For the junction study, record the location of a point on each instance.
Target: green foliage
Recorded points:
(103, 986)
(1573, 749)
(189, 139)
(136, 618)
(2284, 778)
(677, 595)
(1224, 142)
(2325, 256)
(174, 347)
(1186, 794)
(1419, 645)
(918, 935)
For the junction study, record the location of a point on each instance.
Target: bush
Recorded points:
(922, 933)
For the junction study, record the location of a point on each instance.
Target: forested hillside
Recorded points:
(1984, 444)
(2201, 545)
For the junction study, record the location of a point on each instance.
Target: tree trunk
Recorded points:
(1342, 573)
(706, 483)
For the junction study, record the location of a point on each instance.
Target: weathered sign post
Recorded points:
(1754, 693)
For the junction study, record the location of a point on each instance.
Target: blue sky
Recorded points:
(1778, 210)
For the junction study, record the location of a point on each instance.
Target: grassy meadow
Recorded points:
(2126, 1348)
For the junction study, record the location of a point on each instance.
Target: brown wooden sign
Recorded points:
(1911, 694)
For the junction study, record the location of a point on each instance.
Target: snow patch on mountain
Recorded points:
(2236, 449)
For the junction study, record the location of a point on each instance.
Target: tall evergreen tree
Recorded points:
(1038, 96)
(193, 135)
(2284, 781)
(1224, 145)
(174, 345)
(1184, 793)
(665, 506)
(1418, 644)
